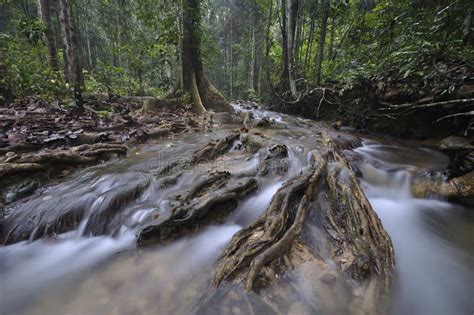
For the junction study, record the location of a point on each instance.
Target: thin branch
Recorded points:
(415, 105)
(471, 113)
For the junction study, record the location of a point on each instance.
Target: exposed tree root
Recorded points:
(80, 155)
(15, 168)
(216, 148)
(211, 98)
(210, 199)
(328, 192)
(210, 151)
(281, 246)
(276, 229)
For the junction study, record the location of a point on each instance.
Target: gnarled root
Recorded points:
(325, 197)
(210, 200)
(15, 168)
(271, 234)
(80, 155)
(216, 148)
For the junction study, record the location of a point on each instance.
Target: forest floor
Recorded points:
(48, 140)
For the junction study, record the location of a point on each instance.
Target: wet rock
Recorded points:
(450, 143)
(436, 184)
(20, 191)
(327, 278)
(461, 155)
(299, 148)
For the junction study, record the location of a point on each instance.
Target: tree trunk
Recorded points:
(203, 93)
(231, 63)
(467, 38)
(252, 57)
(88, 45)
(299, 35)
(322, 39)
(331, 39)
(309, 46)
(291, 15)
(66, 38)
(44, 13)
(72, 67)
(284, 35)
(5, 89)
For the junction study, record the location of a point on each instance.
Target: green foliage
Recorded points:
(397, 40)
(132, 47)
(27, 71)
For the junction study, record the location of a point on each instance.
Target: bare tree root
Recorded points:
(211, 98)
(326, 191)
(45, 159)
(355, 219)
(210, 151)
(196, 97)
(212, 198)
(272, 228)
(15, 168)
(470, 113)
(281, 246)
(216, 148)
(209, 200)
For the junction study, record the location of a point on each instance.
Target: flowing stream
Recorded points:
(76, 273)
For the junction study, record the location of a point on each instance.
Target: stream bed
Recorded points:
(76, 273)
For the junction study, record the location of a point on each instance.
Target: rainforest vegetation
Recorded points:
(409, 51)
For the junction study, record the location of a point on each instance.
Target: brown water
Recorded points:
(76, 273)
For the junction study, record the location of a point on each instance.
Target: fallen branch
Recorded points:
(418, 106)
(471, 113)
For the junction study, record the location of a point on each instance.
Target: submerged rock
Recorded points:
(20, 191)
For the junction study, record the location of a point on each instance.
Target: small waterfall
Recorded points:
(432, 279)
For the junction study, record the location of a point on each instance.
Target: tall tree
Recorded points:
(291, 17)
(289, 10)
(44, 13)
(203, 93)
(5, 89)
(72, 66)
(322, 40)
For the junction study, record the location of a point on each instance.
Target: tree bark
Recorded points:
(72, 67)
(284, 36)
(44, 13)
(88, 45)
(291, 15)
(231, 63)
(195, 82)
(5, 89)
(309, 46)
(331, 39)
(252, 57)
(322, 39)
